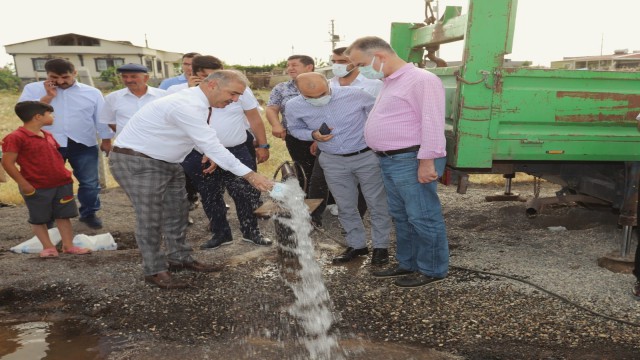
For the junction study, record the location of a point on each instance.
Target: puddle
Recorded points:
(59, 340)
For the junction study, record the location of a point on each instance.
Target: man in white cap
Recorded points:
(120, 105)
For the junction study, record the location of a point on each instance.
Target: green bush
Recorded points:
(8, 80)
(110, 75)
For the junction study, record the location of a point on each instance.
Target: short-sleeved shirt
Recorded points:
(120, 105)
(40, 162)
(282, 93)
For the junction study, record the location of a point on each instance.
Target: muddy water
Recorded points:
(59, 340)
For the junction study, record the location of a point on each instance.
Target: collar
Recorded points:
(28, 132)
(403, 70)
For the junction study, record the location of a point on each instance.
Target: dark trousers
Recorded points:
(300, 154)
(249, 145)
(212, 187)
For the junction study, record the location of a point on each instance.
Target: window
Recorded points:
(38, 64)
(149, 64)
(103, 64)
(159, 66)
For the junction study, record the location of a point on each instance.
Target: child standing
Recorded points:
(44, 182)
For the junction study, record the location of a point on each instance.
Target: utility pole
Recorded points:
(333, 37)
(146, 42)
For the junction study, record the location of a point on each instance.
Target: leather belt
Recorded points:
(129, 152)
(355, 153)
(398, 151)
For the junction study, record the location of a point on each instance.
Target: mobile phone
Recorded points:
(324, 129)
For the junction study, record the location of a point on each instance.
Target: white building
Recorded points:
(93, 54)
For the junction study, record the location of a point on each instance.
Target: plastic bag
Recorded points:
(34, 246)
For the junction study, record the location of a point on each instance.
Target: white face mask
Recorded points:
(370, 73)
(340, 70)
(321, 101)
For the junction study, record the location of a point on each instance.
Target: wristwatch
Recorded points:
(264, 146)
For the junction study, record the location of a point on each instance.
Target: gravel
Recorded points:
(242, 312)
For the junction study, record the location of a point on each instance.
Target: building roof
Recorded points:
(632, 56)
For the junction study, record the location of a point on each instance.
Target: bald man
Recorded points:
(345, 158)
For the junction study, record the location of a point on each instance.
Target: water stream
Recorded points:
(312, 306)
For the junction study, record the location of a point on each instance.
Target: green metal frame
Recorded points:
(521, 114)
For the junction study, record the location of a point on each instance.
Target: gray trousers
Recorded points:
(343, 173)
(156, 190)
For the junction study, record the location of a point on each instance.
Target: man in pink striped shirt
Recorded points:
(406, 129)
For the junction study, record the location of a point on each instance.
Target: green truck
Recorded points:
(576, 128)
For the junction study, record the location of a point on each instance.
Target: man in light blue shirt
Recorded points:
(186, 72)
(76, 123)
(345, 158)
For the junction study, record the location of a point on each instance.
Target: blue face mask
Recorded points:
(369, 72)
(321, 101)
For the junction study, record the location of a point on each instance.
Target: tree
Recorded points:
(8, 80)
(111, 76)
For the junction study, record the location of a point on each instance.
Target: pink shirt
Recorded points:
(409, 111)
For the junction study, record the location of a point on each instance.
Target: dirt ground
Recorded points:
(241, 312)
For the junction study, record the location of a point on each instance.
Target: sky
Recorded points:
(259, 32)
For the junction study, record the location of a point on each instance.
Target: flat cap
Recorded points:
(132, 68)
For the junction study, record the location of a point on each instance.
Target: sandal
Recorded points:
(49, 253)
(76, 250)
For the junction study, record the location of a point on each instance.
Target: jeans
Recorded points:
(84, 162)
(421, 235)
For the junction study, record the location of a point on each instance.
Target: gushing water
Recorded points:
(312, 307)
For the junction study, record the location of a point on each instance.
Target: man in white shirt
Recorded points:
(230, 124)
(146, 159)
(347, 74)
(76, 108)
(120, 105)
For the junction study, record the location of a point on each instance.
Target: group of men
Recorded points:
(385, 140)
(376, 146)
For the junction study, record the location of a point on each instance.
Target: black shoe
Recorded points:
(92, 221)
(392, 272)
(415, 280)
(257, 239)
(214, 242)
(349, 255)
(380, 256)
